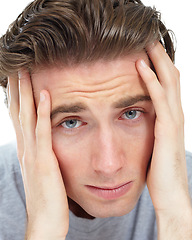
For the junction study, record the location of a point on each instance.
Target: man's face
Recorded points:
(102, 132)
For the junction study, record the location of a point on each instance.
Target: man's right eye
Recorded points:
(71, 123)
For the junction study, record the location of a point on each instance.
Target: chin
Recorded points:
(113, 213)
(90, 206)
(110, 209)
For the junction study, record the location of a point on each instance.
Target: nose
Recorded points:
(108, 156)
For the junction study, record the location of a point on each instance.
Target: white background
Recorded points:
(177, 16)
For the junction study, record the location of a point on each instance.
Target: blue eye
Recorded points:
(132, 114)
(72, 123)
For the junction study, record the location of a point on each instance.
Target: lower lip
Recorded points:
(110, 194)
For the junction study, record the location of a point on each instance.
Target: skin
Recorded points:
(49, 154)
(103, 149)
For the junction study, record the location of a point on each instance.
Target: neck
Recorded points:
(77, 210)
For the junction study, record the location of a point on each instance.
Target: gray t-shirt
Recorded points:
(139, 224)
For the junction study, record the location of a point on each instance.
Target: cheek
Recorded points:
(134, 144)
(139, 147)
(142, 151)
(70, 156)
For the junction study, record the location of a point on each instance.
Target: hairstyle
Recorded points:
(69, 32)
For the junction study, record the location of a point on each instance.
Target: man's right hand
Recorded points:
(46, 200)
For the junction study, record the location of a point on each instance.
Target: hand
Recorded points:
(46, 200)
(167, 176)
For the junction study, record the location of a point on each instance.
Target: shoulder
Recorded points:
(7, 150)
(189, 165)
(189, 159)
(11, 183)
(12, 207)
(10, 172)
(8, 159)
(189, 170)
(145, 199)
(146, 219)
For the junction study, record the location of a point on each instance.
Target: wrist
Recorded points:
(175, 205)
(44, 232)
(40, 236)
(175, 225)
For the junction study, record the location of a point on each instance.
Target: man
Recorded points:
(95, 103)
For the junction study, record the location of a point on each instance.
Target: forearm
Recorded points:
(40, 235)
(175, 226)
(40, 229)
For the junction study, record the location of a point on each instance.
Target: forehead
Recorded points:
(102, 78)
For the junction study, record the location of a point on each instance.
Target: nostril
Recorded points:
(107, 164)
(108, 156)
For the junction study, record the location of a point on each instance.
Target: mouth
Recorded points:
(110, 193)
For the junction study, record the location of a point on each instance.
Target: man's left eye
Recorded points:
(132, 114)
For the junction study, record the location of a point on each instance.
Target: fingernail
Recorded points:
(42, 97)
(143, 64)
(19, 75)
(23, 74)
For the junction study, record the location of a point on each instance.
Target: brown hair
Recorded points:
(79, 31)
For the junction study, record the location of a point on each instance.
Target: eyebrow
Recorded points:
(129, 101)
(65, 108)
(80, 107)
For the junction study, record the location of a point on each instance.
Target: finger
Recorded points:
(13, 104)
(13, 97)
(168, 76)
(167, 73)
(43, 128)
(156, 91)
(8, 92)
(161, 62)
(27, 111)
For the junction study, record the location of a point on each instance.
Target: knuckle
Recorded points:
(26, 155)
(10, 113)
(11, 109)
(41, 112)
(177, 73)
(20, 156)
(152, 76)
(36, 132)
(22, 118)
(174, 83)
(19, 153)
(39, 133)
(176, 129)
(172, 131)
(173, 80)
(161, 95)
(18, 130)
(182, 118)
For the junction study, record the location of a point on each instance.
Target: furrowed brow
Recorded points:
(129, 101)
(74, 108)
(79, 107)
